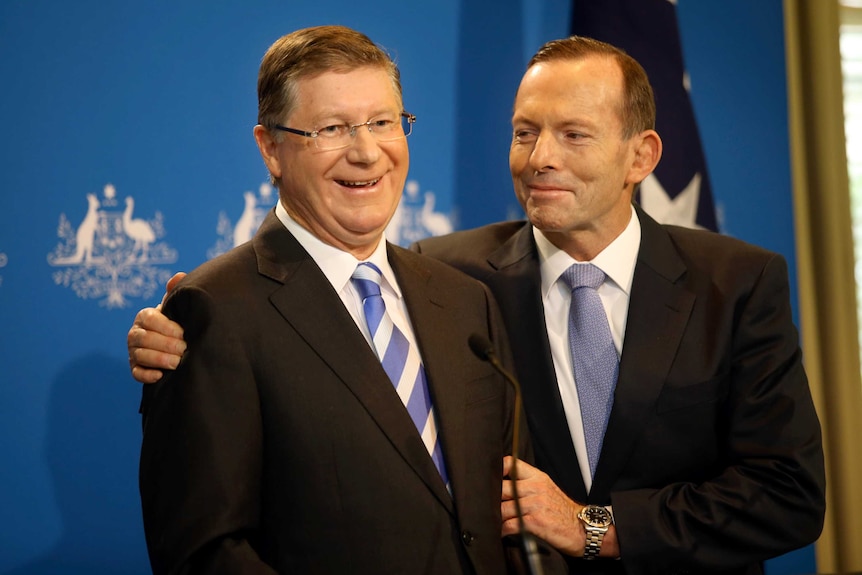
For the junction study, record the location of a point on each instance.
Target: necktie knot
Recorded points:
(583, 275)
(367, 277)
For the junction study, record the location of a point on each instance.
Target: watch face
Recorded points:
(597, 516)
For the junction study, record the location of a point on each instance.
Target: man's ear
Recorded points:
(268, 147)
(647, 152)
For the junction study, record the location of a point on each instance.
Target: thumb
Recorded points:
(525, 470)
(172, 284)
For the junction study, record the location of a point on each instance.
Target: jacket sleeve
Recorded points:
(766, 494)
(201, 454)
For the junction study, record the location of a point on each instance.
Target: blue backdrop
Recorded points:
(127, 154)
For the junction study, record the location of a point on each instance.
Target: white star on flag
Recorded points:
(678, 211)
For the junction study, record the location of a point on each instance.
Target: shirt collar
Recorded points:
(336, 264)
(617, 260)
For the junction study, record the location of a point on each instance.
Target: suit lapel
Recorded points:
(308, 303)
(658, 305)
(517, 285)
(659, 310)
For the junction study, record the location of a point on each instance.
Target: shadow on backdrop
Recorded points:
(92, 447)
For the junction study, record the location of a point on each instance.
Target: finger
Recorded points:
(140, 339)
(524, 489)
(507, 465)
(511, 527)
(152, 319)
(148, 358)
(508, 490)
(144, 375)
(524, 469)
(508, 510)
(172, 283)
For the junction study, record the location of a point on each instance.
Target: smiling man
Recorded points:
(282, 443)
(704, 453)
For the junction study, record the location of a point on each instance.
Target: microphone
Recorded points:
(484, 350)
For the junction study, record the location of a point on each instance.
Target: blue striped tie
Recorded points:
(594, 356)
(400, 361)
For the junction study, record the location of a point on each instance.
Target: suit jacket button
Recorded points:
(467, 537)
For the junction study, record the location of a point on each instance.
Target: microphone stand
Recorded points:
(485, 351)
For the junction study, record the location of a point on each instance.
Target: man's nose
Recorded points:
(546, 152)
(364, 147)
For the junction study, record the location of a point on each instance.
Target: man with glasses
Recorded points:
(701, 450)
(323, 421)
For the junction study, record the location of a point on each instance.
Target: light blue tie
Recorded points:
(400, 361)
(594, 356)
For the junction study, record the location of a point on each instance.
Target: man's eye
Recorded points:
(383, 125)
(332, 131)
(524, 136)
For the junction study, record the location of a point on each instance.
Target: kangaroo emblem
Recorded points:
(84, 236)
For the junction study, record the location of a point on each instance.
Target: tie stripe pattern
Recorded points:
(400, 361)
(594, 357)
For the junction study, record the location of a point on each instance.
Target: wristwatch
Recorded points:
(596, 520)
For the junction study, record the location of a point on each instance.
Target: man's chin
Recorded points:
(547, 220)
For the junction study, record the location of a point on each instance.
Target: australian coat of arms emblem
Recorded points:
(112, 254)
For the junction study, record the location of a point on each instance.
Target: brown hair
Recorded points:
(637, 110)
(310, 52)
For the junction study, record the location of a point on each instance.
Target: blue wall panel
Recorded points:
(156, 102)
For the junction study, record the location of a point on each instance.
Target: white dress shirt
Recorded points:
(617, 261)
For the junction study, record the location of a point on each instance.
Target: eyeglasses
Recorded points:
(339, 136)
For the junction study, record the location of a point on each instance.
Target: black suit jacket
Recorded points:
(712, 458)
(280, 445)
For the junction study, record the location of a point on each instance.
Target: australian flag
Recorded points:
(678, 192)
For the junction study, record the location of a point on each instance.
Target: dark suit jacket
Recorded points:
(712, 457)
(280, 445)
